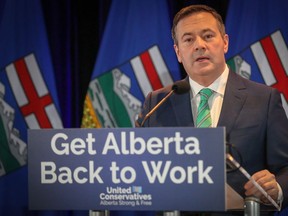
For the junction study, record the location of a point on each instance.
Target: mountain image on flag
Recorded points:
(109, 98)
(139, 60)
(13, 152)
(269, 61)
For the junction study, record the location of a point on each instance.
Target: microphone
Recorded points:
(179, 87)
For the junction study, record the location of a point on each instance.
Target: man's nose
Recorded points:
(199, 44)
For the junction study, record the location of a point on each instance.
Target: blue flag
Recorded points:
(136, 56)
(28, 97)
(258, 37)
(27, 89)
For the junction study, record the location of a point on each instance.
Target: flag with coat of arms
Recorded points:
(136, 56)
(258, 41)
(258, 38)
(28, 97)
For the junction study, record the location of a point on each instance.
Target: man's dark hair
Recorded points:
(193, 9)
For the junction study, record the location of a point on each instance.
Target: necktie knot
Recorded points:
(205, 94)
(203, 113)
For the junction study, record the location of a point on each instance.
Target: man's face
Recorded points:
(201, 47)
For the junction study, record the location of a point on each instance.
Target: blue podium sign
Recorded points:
(127, 169)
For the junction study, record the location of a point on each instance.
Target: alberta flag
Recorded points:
(136, 56)
(258, 35)
(28, 97)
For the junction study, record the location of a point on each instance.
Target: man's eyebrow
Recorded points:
(187, 34)
(207, 30)
(202, 31)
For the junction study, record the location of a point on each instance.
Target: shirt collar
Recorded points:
(217, 86)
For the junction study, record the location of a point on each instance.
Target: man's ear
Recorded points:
(226, 43)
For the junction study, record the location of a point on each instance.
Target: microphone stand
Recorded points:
(157, 106)
(252, 206)
(171, 213)
(99, 213)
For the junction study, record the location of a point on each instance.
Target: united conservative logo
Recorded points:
(125, 196)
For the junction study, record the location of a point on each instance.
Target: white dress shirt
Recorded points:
(215, 101)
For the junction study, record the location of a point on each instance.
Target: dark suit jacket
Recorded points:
(255, 122)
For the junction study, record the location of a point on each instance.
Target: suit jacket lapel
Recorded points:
(234, 98)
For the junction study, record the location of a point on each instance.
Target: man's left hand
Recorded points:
(267, 181)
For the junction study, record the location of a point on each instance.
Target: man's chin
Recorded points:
(205, 71)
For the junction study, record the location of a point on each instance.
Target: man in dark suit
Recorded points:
(255, 121)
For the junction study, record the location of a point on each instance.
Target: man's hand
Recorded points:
(267, 181)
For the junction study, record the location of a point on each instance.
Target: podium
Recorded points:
(153, 169)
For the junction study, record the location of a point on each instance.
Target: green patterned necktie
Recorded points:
(203, 113)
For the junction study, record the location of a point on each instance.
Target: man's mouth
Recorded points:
(201, 59)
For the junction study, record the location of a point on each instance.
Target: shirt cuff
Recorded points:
(280, 195)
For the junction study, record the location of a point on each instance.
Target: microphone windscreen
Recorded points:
(181, 87)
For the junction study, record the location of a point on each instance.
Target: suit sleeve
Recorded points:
(277, 142)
